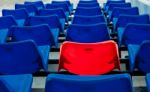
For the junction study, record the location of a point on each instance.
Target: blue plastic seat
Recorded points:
(6, 22)
(106, 5)
(61, 5)
(124, 20)
(88, 5)
(88, 1)
(84, 20)
(147, 78)
(38, 4)
(103, 83)
(93, 11)
(59, 12)
(23, 57)
(139, 56)
(19, 14)
(52, 21)
(41, 34)
(136, 34)
(64, 1)
(123, 11)
(87, 33)
(16, 83)
(31, 8)
(120, 5)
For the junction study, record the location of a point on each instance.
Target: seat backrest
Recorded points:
(88, 5)
(19, 58)
(87, 33)
(87, 1)
(38, 4)
(7, 21)
(124, 11)
(136, 33)
(41, 34)
(89, 58)
(31, 8)
(47, 12)
(93, 11)
(110, 2)
(85, 20)
(142, 57)
(16, 83)
(121, 5)
(58, 5)
(103, 83)
(62, 1)
(17, 13)
(52, 21)
(123, 20)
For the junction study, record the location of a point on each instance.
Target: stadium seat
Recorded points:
(52, 21)
(87, 33)
(106, 5)
(56, 6)
(31, 8)
(123, 11)
(22, 58)
(38, 4)
(16, 83)
(20, 15)
(41, 34)
(88, 5)
(64, 1)
(89, 58)
(119, 5)
(136, 34)
(124, 20)
(6, 22)
(88, 1)
(58, 12)
(147, 78)
(103, 83)
(92, 11)
(139, 56)
(85, 20)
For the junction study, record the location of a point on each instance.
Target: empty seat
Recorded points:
(31, 9)
(6, 22)
(147, 78)
(89, 58)
(88, 5)
(58, 12)
(123, 11)
(139, 56)
(136, 34)
(85, 20)
(16, 83)
(124, 20)
(88, 1)
(52, 21)
(103, 83)
(41, 34)
(121, 5)
(64, 1)
(87, 33)
(22, 58)
(106, 5)
(19, 14)
(38, 4)
(61, 5)
(93, 11)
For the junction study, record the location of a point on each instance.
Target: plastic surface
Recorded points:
(87, 33)
(89, 59)
(103, 83)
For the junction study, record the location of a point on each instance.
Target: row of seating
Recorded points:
(65, 83)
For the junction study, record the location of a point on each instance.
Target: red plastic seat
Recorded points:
(89, 58)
